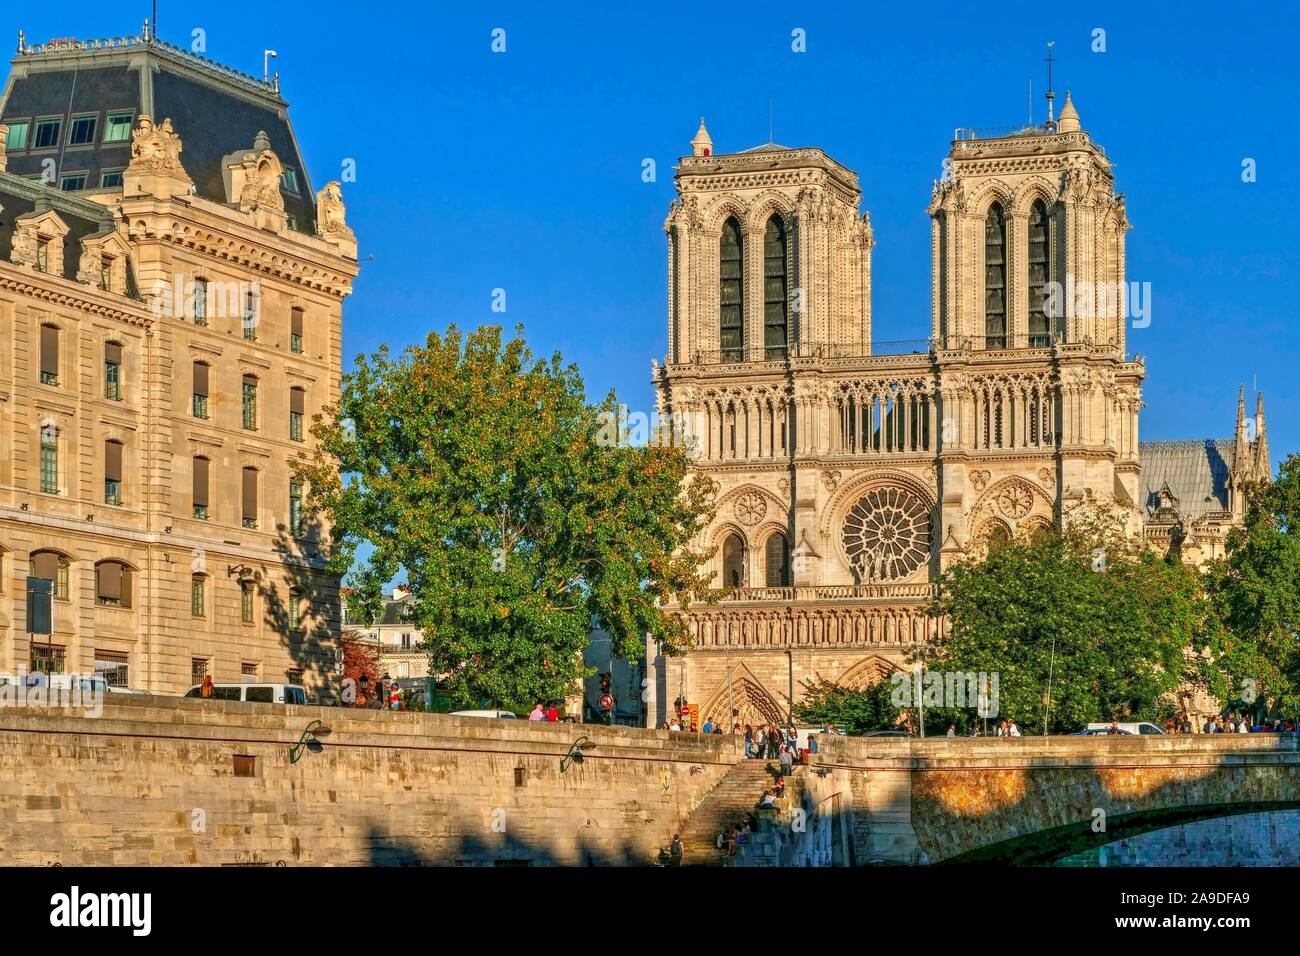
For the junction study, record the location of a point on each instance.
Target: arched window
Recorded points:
(777, 561)
(775, 303)
(51, 566)
(995, 278)
(996, 537)
(733, 561)
(113, 584)
(1040, 273)
(731, 327)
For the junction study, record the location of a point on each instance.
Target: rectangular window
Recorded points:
(111, 179)
(106, 273)
(297, 407)
(200, 301)
(112, 666)
(250, 316)
(49, 355)
(42, 255)
(82, 130)
(295, 610)
(200, 390)
(112, 584)
(17, 138)
(49, 461)
(47, 133)
(198, 669)
(198, 597)
(112, 473)
(113, 372)
(250, 403)
(295, 331)
(117, 128)
(248, 669)
(47, 658)
(199, 487)
(289, 179)
(75, 181)
(295, 508)
(250, 498)
(246, 602)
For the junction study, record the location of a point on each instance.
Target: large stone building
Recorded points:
(849, 480)
(171, 299)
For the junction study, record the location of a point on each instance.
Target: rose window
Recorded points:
(887, 535)
(750, 508)
(1016, 500)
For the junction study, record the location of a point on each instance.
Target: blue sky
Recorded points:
(522, 170)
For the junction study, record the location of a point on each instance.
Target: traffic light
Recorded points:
(604, 683)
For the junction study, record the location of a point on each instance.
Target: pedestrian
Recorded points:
(676, 851)
(538, 713)
(552, 715)
(708, 725)
(774, 741)
(749, 741)
(813, 746)
(206, 689)
(778, 788)
(676, 725)
(1013, 730)
(952, 730)
(787, 759)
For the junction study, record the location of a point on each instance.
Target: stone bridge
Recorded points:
(1038, 800)
(166, 781)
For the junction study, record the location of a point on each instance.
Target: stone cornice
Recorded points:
(59, 291)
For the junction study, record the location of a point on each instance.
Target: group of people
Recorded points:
(775, 743)
(549, 714)
(1008, 728)
(1234, 724)
(736, 835)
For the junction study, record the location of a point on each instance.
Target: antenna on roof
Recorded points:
(1031, 102)
(266, 68)
(1051, 119)
(153, 24)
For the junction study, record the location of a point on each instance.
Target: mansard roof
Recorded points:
(1194, 472)
(216, 110)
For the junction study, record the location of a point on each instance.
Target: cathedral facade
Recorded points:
(848, 480)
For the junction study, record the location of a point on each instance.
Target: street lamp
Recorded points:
(309, 740)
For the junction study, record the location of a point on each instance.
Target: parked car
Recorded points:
(1124, 727)
(255, 693)
(500, 714)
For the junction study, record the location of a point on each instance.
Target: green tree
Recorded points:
(852, 711)
(1257, 591)
(480, 471)
(1109, 624)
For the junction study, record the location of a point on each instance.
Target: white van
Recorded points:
(1132, 727)
(256, 693)
(501, 714)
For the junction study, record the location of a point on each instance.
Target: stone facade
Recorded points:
(849, 480)
(167, 332)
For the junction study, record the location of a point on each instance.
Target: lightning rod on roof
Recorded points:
(1051, 119)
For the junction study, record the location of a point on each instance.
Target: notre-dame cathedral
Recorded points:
(849, 480)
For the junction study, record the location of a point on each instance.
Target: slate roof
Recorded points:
(1195, 473)
(216, 111)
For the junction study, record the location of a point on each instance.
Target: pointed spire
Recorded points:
(702, 144)
(1263, 464)
(1069, 120)
(1242, 466)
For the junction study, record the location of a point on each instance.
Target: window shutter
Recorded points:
(113, 353)
(50, 350)
(250, 493)
(250, 380)
(110, 580)
(295, 321)
(200, 379)
(297, 399)
(45, 565)
(112, 461)
(201, 482)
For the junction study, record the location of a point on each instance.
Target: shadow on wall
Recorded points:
(386, 849)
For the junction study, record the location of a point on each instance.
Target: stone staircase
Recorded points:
(738, 793)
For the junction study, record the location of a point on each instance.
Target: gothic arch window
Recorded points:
(1040, 274)
(731, 292)
(994, 537)
(775, 301)
(995, 278)
(776, 561)
(733, 561)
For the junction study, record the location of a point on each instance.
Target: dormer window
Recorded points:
(117, 128)
(289, 180)
(42, 254)
(82, 131)
(47, 134)
(73, 182)
(106, 273)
